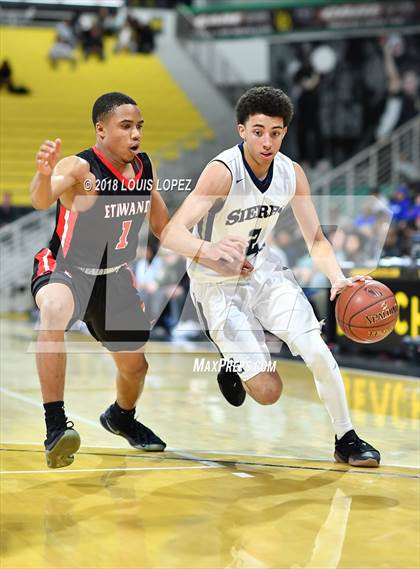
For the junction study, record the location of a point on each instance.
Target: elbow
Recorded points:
(36, 204)
(39, 205)
(164, 236)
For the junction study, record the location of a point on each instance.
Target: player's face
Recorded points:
(263, 136)
(120, 132)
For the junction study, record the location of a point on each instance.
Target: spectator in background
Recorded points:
(378, 202)
(91, 36)
(172, 288)
(341, 110)
(147, 269)
(400, 204)
(8, 213)
(396, 243)
(145, 38)
(414, 211)
(379, 232)
(125, 41)
(337, 238)
(287, 247)
(403, 101)
(355, 248)
(413, 230)
(107, 22)
(94, 43)
(64, 45)
(6, 80)
(307, 110)
(365, 221)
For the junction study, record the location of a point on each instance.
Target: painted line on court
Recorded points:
(36, 403)
(235, 463)
(188, 456)
(128, 469)
(243, 475)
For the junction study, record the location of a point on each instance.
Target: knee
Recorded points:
(55, 313)
(320, 362)
(134, 369)
(266, 388)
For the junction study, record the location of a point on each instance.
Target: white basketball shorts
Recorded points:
(234, 315)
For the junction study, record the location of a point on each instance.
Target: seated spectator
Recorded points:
(355, 248)
(63, 46)
(125, 41)
(93, 43)
(172, 288)
(377, 201)
(365, 221)
(143, 37)
(400, 204)
(147, 269)
(414, 211)
(6, 80)
(337, 238)
(287, 247)
(8, 213)
(396, 243)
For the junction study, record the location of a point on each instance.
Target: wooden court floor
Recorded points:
(253, 487)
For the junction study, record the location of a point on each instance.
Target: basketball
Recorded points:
(367, 312)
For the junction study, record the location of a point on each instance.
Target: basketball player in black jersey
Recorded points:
(103, 195)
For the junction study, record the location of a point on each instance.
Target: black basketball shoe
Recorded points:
(61, 443)
(138, 435)
(230, 385)
(352, 450)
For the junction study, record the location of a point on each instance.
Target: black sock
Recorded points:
(122, 416)
(55, 416)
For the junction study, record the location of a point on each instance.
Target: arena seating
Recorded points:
(60, 103)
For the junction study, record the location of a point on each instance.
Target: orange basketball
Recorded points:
(367, 312)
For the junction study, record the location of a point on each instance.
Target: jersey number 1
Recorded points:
(123, 242)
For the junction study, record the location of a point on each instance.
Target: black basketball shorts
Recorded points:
(110, 305)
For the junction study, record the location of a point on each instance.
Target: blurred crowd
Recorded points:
(87, 31)
(347, 94)
(386, 231)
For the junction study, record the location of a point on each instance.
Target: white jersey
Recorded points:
(250, 210)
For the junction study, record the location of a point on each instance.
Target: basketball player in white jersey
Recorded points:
(238, 287)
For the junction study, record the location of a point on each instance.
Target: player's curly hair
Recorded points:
(266, 101)
(106, 103)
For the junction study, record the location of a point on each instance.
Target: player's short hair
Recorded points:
(266, 101)
(107, 103)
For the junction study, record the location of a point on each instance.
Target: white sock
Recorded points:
(328, 380)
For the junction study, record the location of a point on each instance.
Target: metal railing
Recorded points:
(382, 165)
(19, 241)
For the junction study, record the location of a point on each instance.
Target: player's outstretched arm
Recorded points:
(318, 245)
(213, 184)
(55, 177)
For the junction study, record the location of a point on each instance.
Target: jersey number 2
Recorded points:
(123, 242)
(253, 247)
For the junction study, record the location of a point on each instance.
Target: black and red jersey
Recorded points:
(106, 234)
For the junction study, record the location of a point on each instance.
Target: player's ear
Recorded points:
(241, 130)
(284, 132)
(100, 129)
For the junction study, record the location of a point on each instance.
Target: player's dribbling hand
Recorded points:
(340, 284)
(48, 156)
(230, 249)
